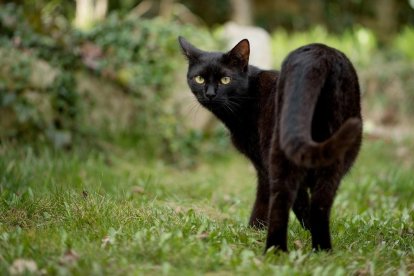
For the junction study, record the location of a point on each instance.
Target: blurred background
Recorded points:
(105, 73)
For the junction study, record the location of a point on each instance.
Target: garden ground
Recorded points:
(115, 212)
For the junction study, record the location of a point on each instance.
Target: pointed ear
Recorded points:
(239, 55)
(189, 50)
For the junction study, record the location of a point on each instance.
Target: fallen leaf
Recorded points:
(106, 241)
(137, 190)
(257, 262)
(69, 258)
(298, 244)
(178, 209)
(202, 235)
(21, 266)
(91, 54)
(362, 272)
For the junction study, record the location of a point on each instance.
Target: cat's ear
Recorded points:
(190, 51)
(239, 55)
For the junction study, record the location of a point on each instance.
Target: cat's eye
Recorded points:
(225, 80)
(199, 79)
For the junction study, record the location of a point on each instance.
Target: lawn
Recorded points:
(112, 211)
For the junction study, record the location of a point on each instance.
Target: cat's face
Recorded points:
(218, 80)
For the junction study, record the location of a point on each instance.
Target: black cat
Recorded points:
(300, 127)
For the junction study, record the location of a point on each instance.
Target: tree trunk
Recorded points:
(101, 8)
(166, 9)
(314, 12)
(242, 12)
(89, 12)
(386, 14)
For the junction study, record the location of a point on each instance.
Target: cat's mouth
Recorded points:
(208, 103)
(219, 105)
(212, 101)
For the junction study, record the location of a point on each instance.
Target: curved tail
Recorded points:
(301, 91)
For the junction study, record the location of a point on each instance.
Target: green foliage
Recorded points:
(404, 42)
(37, 87)
(140, 57)
(359, 45)
(128, 43)
(46, 63)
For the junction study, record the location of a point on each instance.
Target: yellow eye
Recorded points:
(225, 80)
(199, 79)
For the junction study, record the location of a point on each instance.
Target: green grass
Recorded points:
(114, 212)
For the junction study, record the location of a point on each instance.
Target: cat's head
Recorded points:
(218, 80)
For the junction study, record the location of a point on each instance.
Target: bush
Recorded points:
(45, 71)
(359, 45)
(404, 42)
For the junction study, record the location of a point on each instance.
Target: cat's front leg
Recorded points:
(259, 217)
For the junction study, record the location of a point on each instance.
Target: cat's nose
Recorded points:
(210, 96)
(210, 93)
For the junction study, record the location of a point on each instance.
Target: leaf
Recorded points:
(21, 266)
(91, 54)
(69, 258)
(106, 241)
(298, 244)
(203, 235)
(110, 238)
(137, 190)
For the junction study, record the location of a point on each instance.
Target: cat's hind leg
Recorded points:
(322, 198)
(283, 188)
(301, 207)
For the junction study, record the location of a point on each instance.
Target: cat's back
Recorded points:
(340, 78)
(267, 89)
(318, 55)
(317, 50)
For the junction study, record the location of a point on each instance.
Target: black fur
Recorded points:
(300, 127)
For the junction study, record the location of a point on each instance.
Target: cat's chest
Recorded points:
(253, 138)
(247, 142)
(266, 126)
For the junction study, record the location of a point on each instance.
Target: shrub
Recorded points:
(359, 44)
(138, 58)
(404, 42)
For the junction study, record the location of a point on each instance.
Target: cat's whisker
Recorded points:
(228, 106)
(242, 97)
(234, 105)
(191, 107)
(194, 110)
